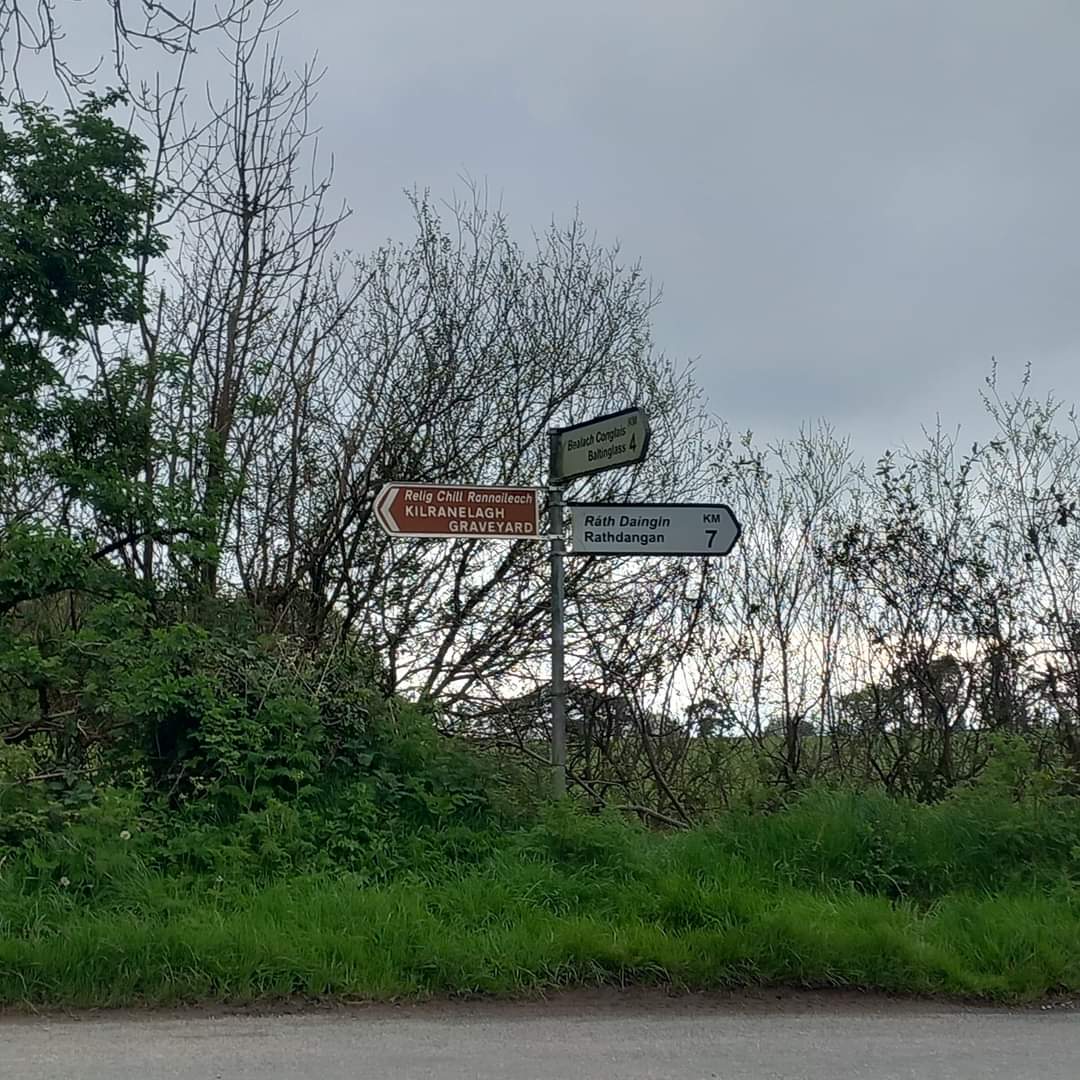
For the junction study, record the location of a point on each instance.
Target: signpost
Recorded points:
(558, 621)
(608, 442)
(653, 528)
(454, 510)
(614, 441)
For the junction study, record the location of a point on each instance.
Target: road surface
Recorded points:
(577, 1037)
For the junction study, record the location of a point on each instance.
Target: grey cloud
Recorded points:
(851, 205)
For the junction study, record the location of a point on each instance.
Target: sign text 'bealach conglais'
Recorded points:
(608, 442)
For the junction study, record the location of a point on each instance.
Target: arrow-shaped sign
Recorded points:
(451, 510)
(608, 442)
(653, 528)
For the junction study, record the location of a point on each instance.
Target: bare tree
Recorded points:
(775, 607)
(30, 28)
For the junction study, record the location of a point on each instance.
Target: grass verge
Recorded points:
(837, 891)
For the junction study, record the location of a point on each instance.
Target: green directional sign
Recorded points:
(607, 442)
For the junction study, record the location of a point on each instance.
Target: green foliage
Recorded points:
(574, 899)
(1012, 827)
(195, 804)
(236, 752)
(73, 206)
(604, 844)
(25, 810)
(37, 561)
(76, 208)
(311, 836)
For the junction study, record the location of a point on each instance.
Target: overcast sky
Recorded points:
(851, 206)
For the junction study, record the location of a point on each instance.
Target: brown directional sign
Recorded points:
(451, 510)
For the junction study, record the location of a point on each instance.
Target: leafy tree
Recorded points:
(75, 207)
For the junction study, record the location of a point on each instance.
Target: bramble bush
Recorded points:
(226, 752)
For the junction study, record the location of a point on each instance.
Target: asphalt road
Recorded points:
(629, 1037)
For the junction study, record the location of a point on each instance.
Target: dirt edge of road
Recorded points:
(595, 1001)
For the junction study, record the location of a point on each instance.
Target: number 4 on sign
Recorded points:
(633, 441)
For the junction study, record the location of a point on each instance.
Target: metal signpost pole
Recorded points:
(405, 508)
(558, 676)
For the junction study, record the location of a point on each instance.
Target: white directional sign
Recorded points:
(652, 529)
(608, 442)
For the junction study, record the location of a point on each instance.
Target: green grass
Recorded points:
(533, 929)
(840, 890)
